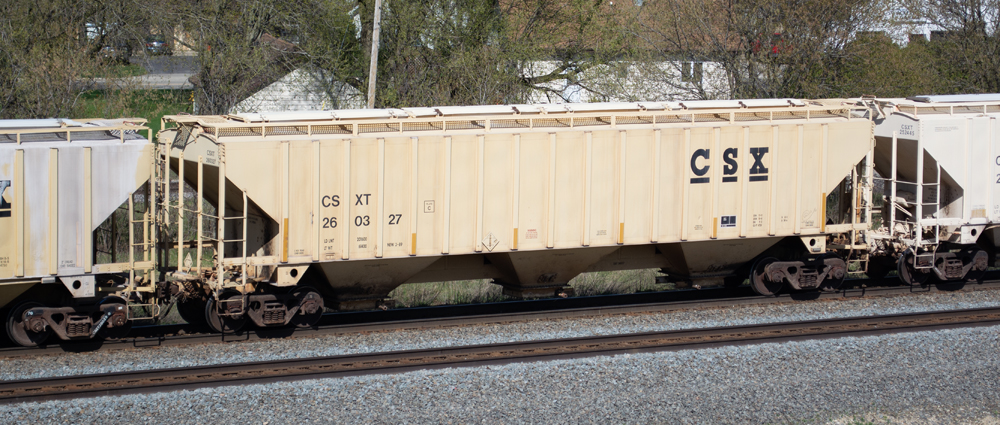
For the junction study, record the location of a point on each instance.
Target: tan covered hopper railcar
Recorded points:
(355, 203)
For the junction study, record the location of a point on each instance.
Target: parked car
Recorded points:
(157, 45)
(119, 52)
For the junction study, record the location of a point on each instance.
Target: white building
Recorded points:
(301, 90)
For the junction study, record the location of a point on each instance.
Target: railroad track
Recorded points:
(140, 382)
(493, 313)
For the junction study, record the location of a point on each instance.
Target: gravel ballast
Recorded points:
(207, 354)
(949, 376)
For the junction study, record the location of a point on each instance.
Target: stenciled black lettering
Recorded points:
(758, 161)
(729, 157)
(699, 171)
(729, 169)
(330, 201)
(362, 198)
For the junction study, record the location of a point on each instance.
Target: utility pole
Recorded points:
(374, 63)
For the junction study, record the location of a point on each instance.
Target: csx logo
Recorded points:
(4, 205)
(700, 165)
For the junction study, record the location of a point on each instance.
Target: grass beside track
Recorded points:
(482, 291)
(149, 104)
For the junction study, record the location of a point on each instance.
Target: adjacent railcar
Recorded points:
(938, 165)
(60, 182)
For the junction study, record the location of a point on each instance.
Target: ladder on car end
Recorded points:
(202, 240)
(915, 221)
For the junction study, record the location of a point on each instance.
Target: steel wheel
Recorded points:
(193, 312)
(907, 274)
(118, 325)
(310, 307)
(980, 262)
(761, 282)
(878, 267)
(26, 333)
(229, 315)
(837, 273)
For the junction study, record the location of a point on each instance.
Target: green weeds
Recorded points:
(447, 293)
(617, 282)
(482, 291)
(149, 104)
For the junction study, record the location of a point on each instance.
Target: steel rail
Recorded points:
(150, 381)
(509, 312)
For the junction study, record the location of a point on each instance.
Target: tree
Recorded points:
(332, 49)
(52, 53)
(460, 52)
(767, 48)
(969, 38)
(237, 52)
(433, 52)
(872, 64)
